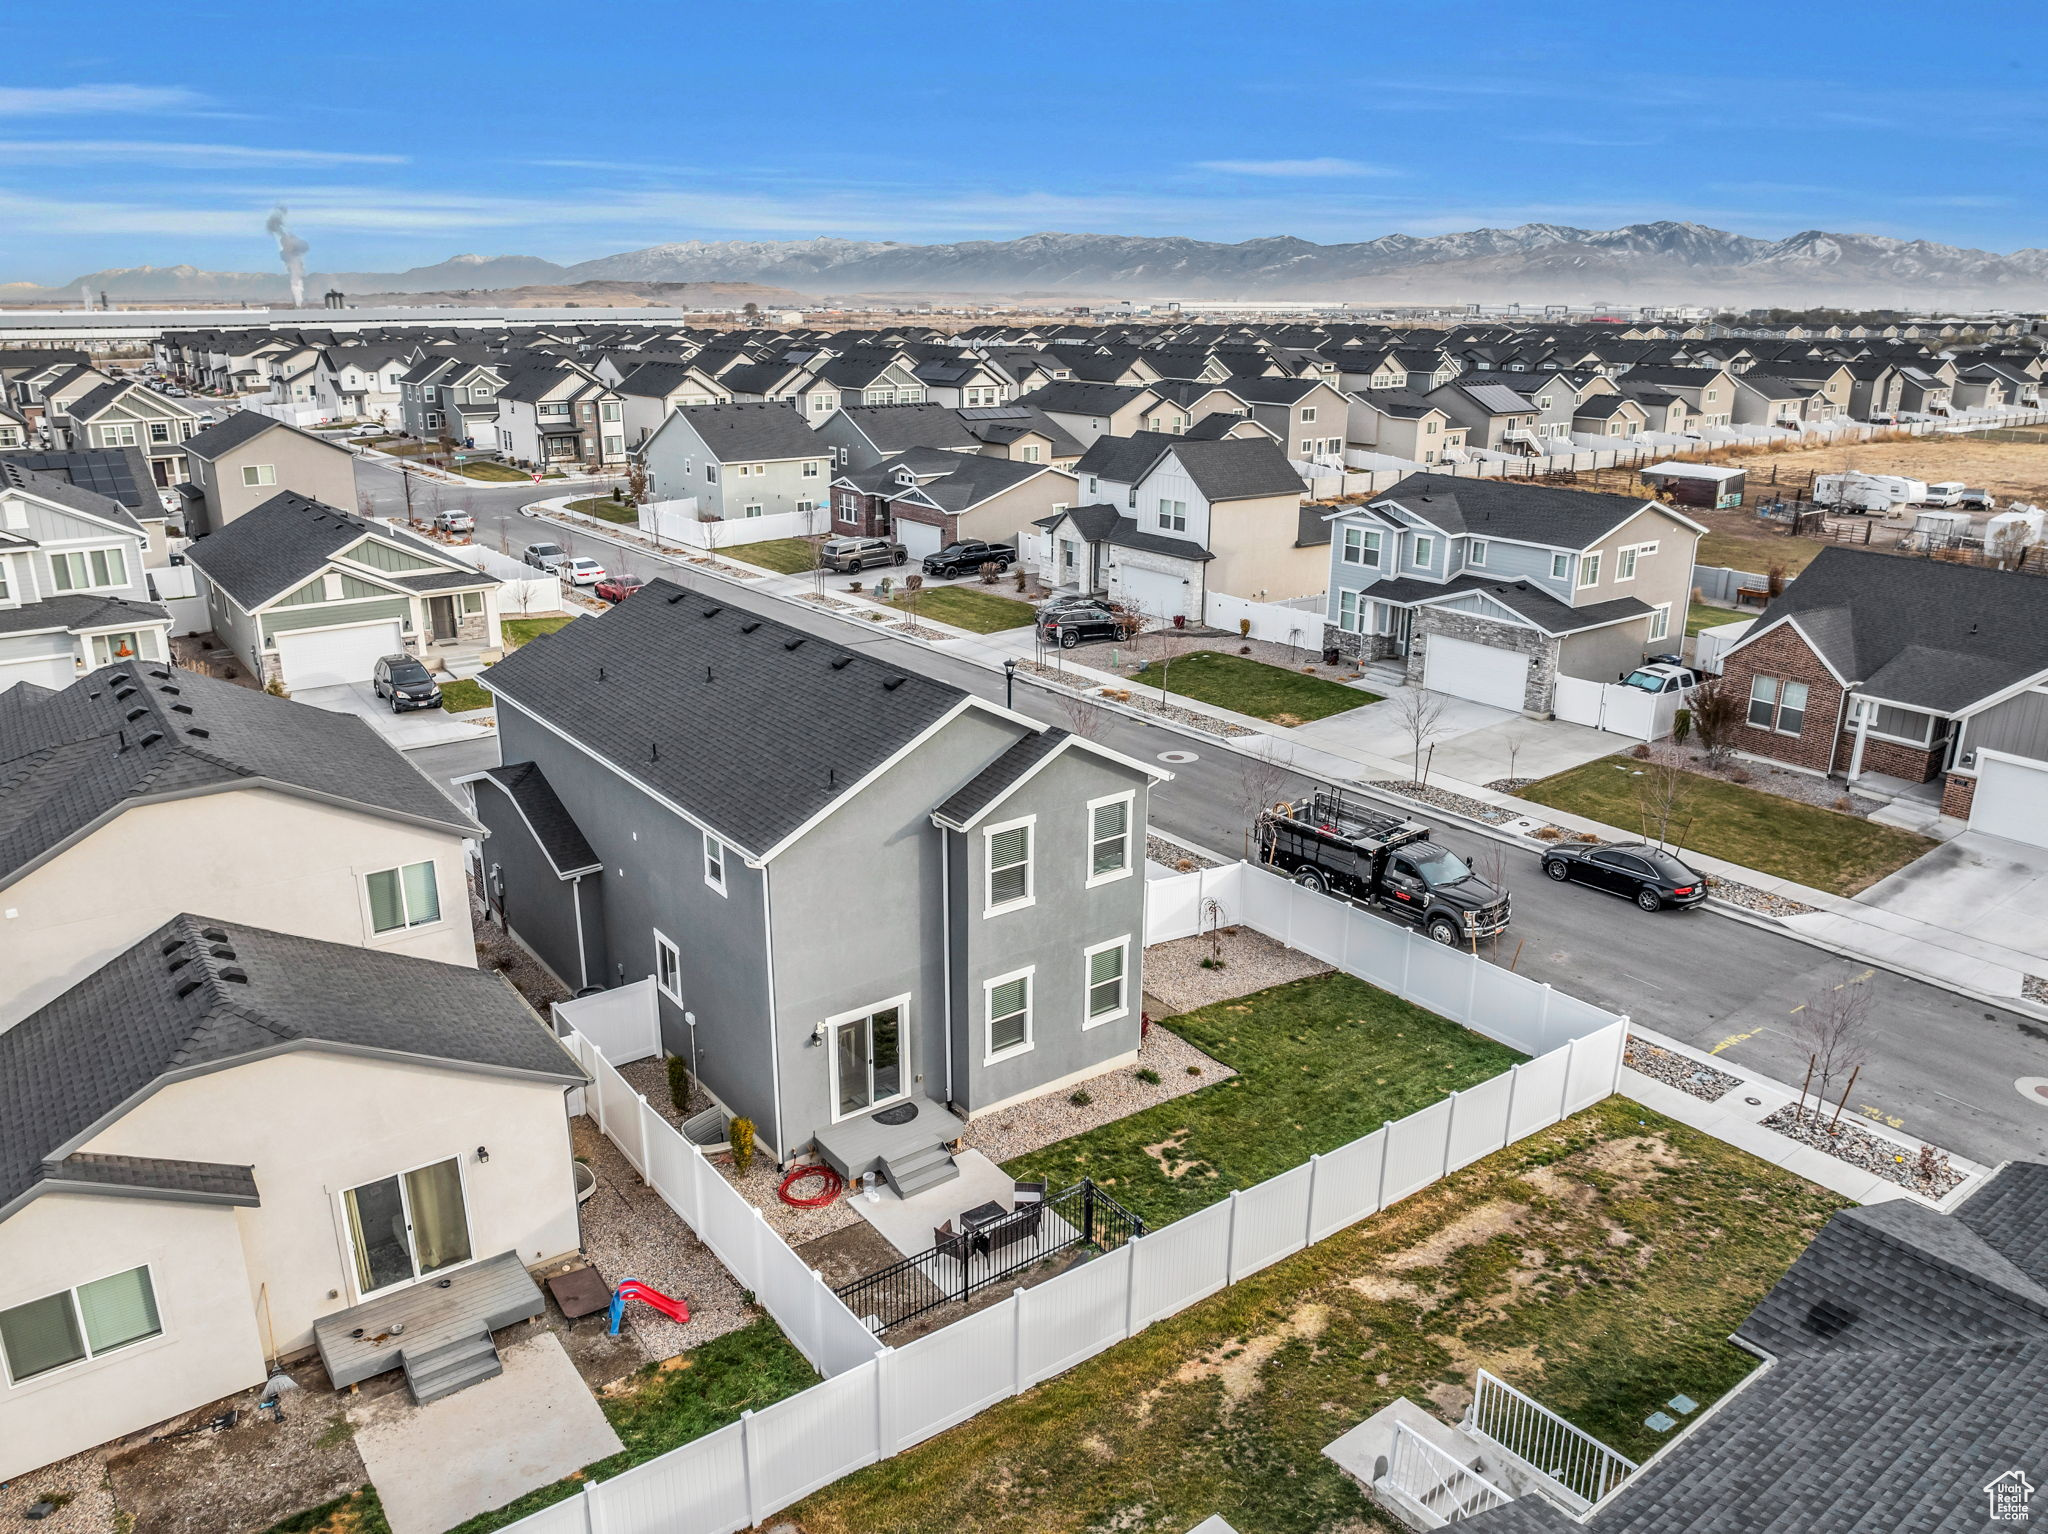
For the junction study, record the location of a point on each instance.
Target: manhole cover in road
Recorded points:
(1177, 756)
(2034, 1089)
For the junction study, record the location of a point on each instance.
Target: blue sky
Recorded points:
(400, 135)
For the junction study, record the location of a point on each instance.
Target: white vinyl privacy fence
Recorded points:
(879, 1401)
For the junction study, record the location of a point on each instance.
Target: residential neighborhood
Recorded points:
(717, 833)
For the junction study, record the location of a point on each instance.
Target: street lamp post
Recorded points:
(1010, 682)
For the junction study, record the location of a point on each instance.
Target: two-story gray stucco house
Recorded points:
(854, 887)
(1490, 589)
(749, 459)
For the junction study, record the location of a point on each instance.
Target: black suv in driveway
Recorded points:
(1069, 626)
(1637, 871)
(967, 558)
(406, 682)
(847, 555)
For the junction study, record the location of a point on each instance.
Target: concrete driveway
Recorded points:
(1992, 890)
(409, 731)
(1473, 740)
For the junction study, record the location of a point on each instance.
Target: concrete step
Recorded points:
(441, 1371)
(922, 1169)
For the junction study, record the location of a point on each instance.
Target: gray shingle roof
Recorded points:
(1238, 468)
(212, 1181)
(245, 426)
(1542, 514)
(124, 734)
(761, 429)
(1108, 524)
(554, 829)
(1073, 396)
(1911, 1370)
(996, 779)
(892, 428)
(58, 489)
(119, 473)
(1919, 632)
(199, 994)
(750, 725)
(267, 551)
(76, 612)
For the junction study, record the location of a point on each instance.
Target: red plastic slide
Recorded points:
(632, 1289)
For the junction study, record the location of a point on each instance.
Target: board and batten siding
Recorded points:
(2019, 726)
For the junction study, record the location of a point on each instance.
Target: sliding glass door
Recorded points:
(405, 1227)
(867, 1060)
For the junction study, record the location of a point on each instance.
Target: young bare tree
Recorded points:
(1262, 782)
(912, 586)
(1665, 801)
(1717, 710)
(1082, 717)
(1421, 713)
(1833, 1026)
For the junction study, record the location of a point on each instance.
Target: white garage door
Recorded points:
(52, 671)
(2011, 799)
(335, 655)
(1476, 671)
(921, 538)
(1155, 593)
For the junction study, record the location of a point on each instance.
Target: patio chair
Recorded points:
(950, 1241)
(1020, 1226)
(1029, 1193)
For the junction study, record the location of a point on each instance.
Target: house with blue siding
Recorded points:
(1491, 589)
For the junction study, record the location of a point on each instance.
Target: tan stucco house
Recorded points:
(238, 464)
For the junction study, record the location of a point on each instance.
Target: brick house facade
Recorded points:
(1826, 740)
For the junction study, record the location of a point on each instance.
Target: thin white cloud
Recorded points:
(1324, 166)
(208, 156)
(94, 100)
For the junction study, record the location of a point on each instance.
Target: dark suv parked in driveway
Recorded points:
(1637, 871)
(407, 683)
(846, 555)
(1069, 626)
(968, 557)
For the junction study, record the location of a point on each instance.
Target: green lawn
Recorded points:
(1599, 1265)
(497, 473)
(1702, 615)
(518, 631)
(1320, 1062)
(786, 556)
(459, 697)
(1826, 849)
(611, 510)
(745, 1370)
(1253, 687)
(968, 607)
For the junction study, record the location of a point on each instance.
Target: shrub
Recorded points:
(1149, 1076)
(679, 1083)
(1640, 752)
(1843, 804)
(1079, 1099)
(1194, 1070)
(1244, 649)
(1681, 726)
(1738, 775)
(1244, 630)
(275, 687)
(742, 1137)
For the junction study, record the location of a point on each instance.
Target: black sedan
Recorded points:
(1637, 871)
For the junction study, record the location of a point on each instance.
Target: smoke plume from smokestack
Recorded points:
(293, 249)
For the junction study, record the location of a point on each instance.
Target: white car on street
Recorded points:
(580, 572)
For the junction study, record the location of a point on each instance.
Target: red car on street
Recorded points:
(616, 588)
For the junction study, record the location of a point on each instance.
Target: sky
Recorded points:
(399, 135)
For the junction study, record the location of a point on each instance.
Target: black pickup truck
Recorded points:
(1336, 843)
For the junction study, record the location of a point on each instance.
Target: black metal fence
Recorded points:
(1082, 1218)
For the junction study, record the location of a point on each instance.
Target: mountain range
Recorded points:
(1667, 262)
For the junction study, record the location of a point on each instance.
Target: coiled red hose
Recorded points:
(834, 1184)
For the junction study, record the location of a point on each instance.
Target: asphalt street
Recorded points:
(1939, 1066)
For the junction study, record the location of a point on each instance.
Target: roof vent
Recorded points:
(134, 714)
(172, 946)
(199, 733)
(1829, 1318)
(123, 694)
(677, 598)
(151, 738)
(713, 612)
(748, 628)
(177, 964)
(213, 935)
(162, 676)
(172, 690)
(181, 708)
(220, 950)
(842, 663)
(187, 988)
(893, 683)
(235, 976)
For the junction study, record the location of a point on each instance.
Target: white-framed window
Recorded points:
(1173, 516)
(1589, 570)
(668, 967)
(1625, 564)
(433, 424)
(554, 408)
(1361, 547)
(1429, 427)
(714, 863)
(110, 648)
(1308, 414)
(1028, 453)
(867, 1062)
(1108, 981)
(118, 434)
(824, 402)
(753, 510)
(1560, 567)
(73, 1325)
(430, 393)
(1350, 608)
(810, 470)
(1006, 1007)
(399, 898)
(1308, 447)
(1777, 704)
(710, 473)
(1660, 621)
(1904, 725)
(1109, 837)
(1475, 552)
(610, 410)
(159, 431)
(257, 474)
(88, 569)
(1008, 862)
(1424, 550)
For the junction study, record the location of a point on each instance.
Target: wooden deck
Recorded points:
(482, 1297)
(860, 1145)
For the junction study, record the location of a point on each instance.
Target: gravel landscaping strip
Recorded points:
(1182, 859)
(1492, 814)
(824, 601)
(1680, 1071)
(1252, 961)
(738, 572)
(1750, 898)
(81, 1481)
(1848, 1141)
(1068, 679)
(1113, 1094)
(1510, 785)
(2034, 987)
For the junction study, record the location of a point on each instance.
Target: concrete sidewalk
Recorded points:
(1951, 959)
